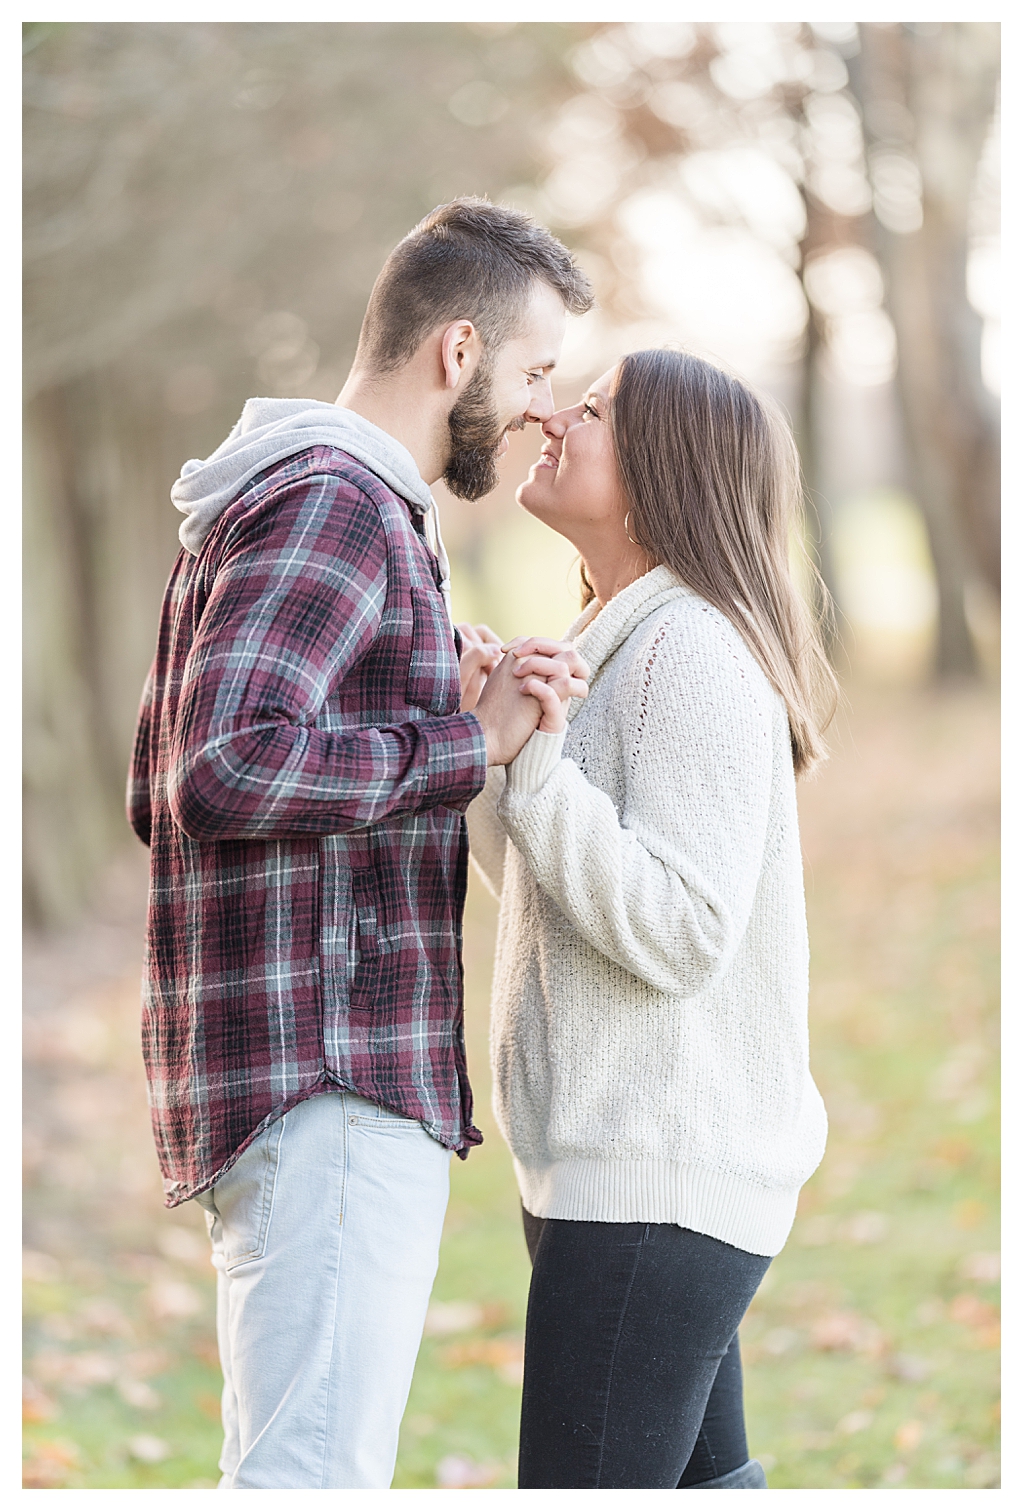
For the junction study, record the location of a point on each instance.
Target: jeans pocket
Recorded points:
(362, 1113)
(242, 1201)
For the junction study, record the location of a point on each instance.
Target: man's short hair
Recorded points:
(471, 260)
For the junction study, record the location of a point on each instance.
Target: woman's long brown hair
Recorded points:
(712, 477)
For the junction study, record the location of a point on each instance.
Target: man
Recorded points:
(301, 771)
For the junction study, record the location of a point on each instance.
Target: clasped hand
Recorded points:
(517, 687)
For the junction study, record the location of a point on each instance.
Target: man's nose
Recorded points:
(541, 405)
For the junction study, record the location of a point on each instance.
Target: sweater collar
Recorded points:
(598, 632)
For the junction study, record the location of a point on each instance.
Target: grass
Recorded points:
(871, 1348)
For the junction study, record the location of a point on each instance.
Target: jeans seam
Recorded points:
(614, 1355)
(703, 1440)
(337, 1287)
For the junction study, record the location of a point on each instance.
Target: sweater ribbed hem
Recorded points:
(535, 761)
(754, 1218)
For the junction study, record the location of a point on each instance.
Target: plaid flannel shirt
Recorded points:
(301, 773)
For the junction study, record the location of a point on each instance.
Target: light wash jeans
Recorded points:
(325, 1239)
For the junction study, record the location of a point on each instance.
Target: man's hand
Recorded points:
(533, 655)
(509, 708)
(481, 651)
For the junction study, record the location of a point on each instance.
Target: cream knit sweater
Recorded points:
(649, 1033)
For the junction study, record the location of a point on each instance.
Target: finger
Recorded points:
(553, 650)
(488, 636)
(568, 687)
(542, 692)
(552, 710)
(546, 645)
(474, 656)
(514, 643)
(546, 667)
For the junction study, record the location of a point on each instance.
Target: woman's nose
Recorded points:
(555, 427)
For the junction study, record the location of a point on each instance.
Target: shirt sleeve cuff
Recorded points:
(535, 762)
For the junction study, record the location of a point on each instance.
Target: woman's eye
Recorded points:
(589, 409)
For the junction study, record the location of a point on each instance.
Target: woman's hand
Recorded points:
(509, 710)
(481, 651)
(552, 689)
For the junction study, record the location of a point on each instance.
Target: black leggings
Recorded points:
(633, 1378)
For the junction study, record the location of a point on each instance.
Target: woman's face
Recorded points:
(574, 485)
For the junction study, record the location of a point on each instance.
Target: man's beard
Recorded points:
(476, 433)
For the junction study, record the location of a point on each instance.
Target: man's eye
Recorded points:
(535, 377)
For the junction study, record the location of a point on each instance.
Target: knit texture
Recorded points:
(649, 1025)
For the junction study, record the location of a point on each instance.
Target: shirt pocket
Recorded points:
(433, 681)
(368, 945)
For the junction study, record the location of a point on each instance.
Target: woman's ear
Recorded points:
(460, 349)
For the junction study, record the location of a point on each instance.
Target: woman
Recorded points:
(649, 1022)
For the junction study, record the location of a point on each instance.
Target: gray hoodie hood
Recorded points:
(270, 430)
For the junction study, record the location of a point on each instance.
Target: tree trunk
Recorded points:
(99, 541)
(820, 513)
(927, 93)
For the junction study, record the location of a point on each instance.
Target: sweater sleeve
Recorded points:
(665, 889)
(488, 838)
(296, 597)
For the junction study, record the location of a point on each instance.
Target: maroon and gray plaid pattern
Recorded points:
(300, 772)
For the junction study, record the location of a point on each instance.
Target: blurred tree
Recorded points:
(928, 91)
(206, 206)
(900, 186)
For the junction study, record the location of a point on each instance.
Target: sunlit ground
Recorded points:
(871, 1350)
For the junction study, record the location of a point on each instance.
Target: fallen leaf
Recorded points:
(983, 1472)
(35, 1265)
(836, 1331)
(985, 1267)
(172, 1299)
(816, 1232)
(75, 1371)
(206, 1350)
(102, 1315)
(176, 1242)
(138, 1394)
(971, 1311)
(50, 1464)
(779, 1340)
(147, 1449)
(142, 1362)
(909, 1367)
(908, 1437)
(865, 1227)
(444, 1317)
(457, 1473)
(36, 1405)
(504, 1355)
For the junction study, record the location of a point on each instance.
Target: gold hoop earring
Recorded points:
(626, 522)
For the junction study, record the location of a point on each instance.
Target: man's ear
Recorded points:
(460, 349)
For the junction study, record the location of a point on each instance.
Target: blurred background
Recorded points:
(814, 205)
